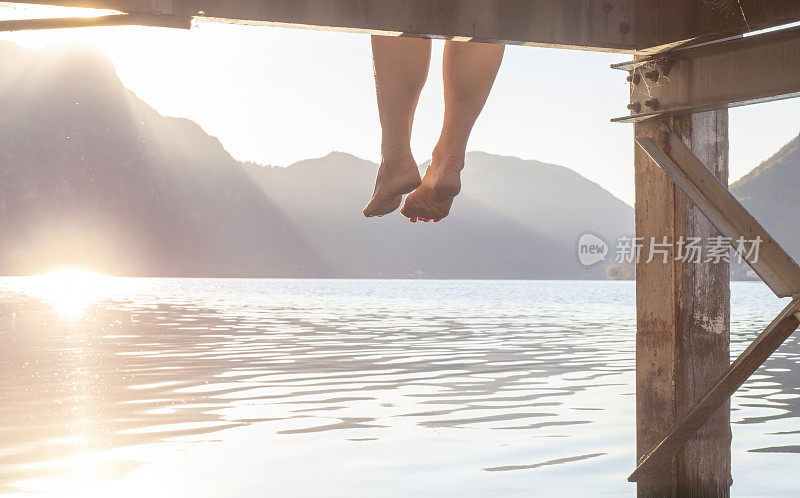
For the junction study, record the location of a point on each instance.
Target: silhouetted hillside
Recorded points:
(514, 219)
(770, 193)
(89, 174)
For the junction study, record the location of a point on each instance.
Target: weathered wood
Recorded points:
(609, 25)
(740, 370)
(683, 318)
(766, 257)
(661, 23)
(154, 20)
(586, 24)
(732, 73)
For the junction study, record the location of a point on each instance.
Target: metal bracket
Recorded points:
(715, 75)
(652, 89)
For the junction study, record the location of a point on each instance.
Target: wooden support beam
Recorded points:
(584, 24)
(154, 20)
(661, 24)
(683, 317)
(782, 274)
(732, 73)
(608, 25)
(766, 257)
(718, 395)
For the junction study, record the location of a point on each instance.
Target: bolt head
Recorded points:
(652, 104)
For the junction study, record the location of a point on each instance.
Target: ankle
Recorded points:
(395, 154)
(448, 157)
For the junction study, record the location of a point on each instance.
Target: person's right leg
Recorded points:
(401, 68)
(469, 71)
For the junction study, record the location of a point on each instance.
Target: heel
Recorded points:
(447, 191)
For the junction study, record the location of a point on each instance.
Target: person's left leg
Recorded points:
(469, 71)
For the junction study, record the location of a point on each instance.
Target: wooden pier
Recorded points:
(690, 63)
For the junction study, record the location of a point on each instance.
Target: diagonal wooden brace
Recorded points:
(740, 370)
(775, 267)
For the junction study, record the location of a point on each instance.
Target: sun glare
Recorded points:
(9, 11)
(69, 290)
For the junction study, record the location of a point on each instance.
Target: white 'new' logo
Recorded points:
(591, 249)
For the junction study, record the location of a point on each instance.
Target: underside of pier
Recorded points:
(691, 61)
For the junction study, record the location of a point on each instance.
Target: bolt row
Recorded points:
(636, 107)
(663, 68)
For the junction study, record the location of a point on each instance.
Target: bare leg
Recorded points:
(401, 68)
(469, 73)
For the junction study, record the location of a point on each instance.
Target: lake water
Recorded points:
(182, 387)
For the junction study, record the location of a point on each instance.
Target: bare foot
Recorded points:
(431, 201)
(396, 177)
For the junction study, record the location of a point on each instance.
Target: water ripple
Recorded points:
(474, 376)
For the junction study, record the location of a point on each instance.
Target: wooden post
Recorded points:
(683, 316)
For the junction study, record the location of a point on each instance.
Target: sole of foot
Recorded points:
(391, 184)
(433, 199)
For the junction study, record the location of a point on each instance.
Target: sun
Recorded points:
(70, 290)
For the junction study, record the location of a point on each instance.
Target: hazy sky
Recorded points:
(277, 95)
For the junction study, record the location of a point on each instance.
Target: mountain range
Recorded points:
(514, 219)
(91, 175)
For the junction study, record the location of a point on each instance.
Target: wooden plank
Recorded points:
(771, 262)
(154, 20)
(739, 371)
(736, 72)
(682, 339)
(662, 23)
(655, 317)
(585, 24)
(703, 317)
(609, 25)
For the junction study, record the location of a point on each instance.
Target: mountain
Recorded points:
(513, 219)
(770, 193)
(90, 174)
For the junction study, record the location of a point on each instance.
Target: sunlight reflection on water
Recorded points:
(186, 387)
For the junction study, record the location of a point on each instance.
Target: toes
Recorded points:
(423, 205)
(369, 211)
(406, 211)
(380, 206)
